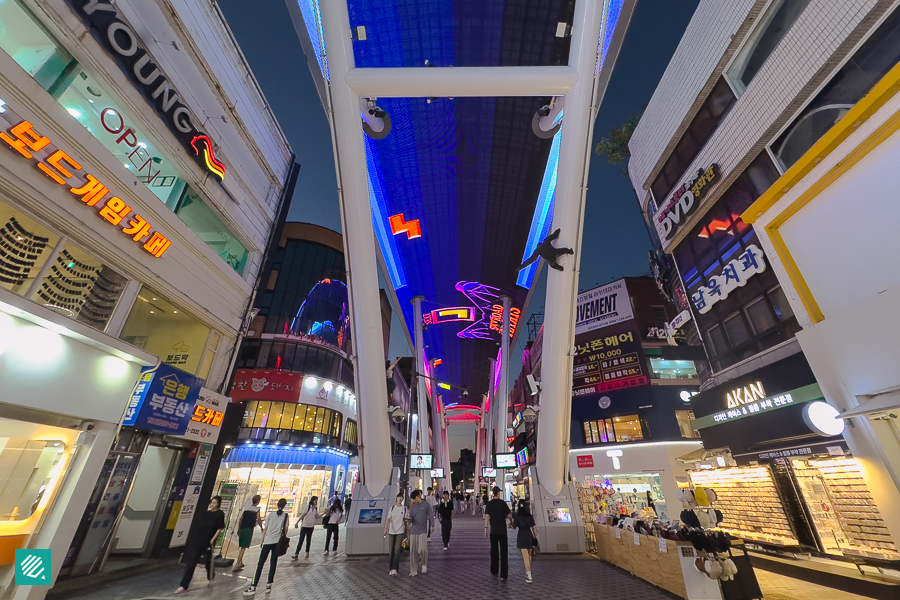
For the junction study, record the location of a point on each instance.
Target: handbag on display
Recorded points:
(283, 542)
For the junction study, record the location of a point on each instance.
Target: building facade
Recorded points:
(294, 381)
(751, 89)
(141, 179)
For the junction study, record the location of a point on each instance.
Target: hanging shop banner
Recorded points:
(609, 359)
(674, 212)
(206, 418)
(603, 306)
(163, 400)
(186, 506)
(734, 275)
(256, 384)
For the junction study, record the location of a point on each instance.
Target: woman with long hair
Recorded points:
(335, 518)
(308, 520)
(275, 526)
(527, 533)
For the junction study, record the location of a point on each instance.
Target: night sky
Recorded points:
(615, 240)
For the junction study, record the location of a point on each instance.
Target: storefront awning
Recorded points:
(878, 404)
(700, 454)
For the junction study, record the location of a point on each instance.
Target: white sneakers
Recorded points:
(528, 577)
(393, 573)
(424, 569)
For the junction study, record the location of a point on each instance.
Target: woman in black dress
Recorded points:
(524, 523)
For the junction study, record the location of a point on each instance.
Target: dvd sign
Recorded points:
(674, 212)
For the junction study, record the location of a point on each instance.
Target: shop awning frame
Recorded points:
(882, 403)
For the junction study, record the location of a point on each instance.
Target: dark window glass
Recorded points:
(300, 359)
(866, 67)
(760, 315)
(737, 330)
(275, 355)
(771, 29)
(783, 310)
(716, 339)
(702, 126)
(264, 351)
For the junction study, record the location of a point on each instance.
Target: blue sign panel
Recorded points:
(163, 400)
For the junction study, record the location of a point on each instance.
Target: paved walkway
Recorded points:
(462, 572)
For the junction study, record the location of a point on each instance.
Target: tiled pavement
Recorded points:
(462, 572)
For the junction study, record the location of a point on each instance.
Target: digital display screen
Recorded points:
(522, 457)
(488, 472)
(437, 473)
(559, 515)
(505, 461)
(420, 461)
(370, 515)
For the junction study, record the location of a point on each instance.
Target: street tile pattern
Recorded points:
(462, 572)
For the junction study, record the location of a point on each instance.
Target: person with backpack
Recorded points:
(308, 520)
(395, 527)
(527, 534)
(201, 543)
(335, 517)
(275, 527)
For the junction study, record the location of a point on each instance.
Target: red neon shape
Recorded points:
(209, 156)
(399, 225)
(438, 361)
(714, 226)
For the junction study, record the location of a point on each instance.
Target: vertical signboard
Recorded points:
(608, 353)
(188, 508)
(163, 400)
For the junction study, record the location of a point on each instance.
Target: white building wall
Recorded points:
(791, 75)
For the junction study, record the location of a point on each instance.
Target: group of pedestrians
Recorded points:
(415, 523)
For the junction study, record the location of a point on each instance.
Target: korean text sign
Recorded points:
(21, 136)
(163, 400)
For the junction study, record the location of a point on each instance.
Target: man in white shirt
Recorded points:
(395, 527)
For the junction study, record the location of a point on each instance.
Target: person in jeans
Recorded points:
(524, 522)
(395, 527)
(496, 516)
(308, 520)
(421, 523)
(445, 516)
(275, 526)
(335, 518)
(211, 525)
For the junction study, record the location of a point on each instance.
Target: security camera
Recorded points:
(465, 393)
(530, 414)
(396, 414)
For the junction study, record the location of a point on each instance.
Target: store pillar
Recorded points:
(421, 389)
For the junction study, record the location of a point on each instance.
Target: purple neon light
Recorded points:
(483, 297)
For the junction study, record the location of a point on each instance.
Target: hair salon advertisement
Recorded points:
(608, 353)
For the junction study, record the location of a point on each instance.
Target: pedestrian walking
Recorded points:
(308, 522)
(456, 501)
(348, 501)
(496, 517)
(526, 536)
(249, 520)
(201, 543)
(421, 523)
(445, 516)
(395, 527)
(275, 526)
(432, 501)
(335, 518)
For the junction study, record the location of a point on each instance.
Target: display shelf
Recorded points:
(852, 514)
(590, 508)
(749, 503)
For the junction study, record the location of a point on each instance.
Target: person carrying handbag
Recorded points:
(274, 542)
(395, 530)
(334, 516)
(308, 520)
(526, 538)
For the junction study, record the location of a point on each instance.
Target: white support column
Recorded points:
(489, 421)
(359, 253)
(446, 440)
(562, 286)
(422, 391)
(459, 82)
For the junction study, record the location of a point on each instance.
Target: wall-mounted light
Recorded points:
(310, 382)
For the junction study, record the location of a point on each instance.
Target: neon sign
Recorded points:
(446, 315)
(64, 170)
(412, 229)
(136, 63)
(484, 298)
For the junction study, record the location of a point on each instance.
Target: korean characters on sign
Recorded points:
(734, 275)
(674, 212)
(20, 136)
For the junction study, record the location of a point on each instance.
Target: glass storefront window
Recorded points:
(686, 423)
(34, 459)
(81, 288)
(628, 428)
(29, 44)
(625, 428)
(287, 417)
(673, 369)
(297, 484)
(25, 246)
(203, 221)
(159, 327)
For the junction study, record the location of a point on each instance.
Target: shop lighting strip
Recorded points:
(605, 447)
